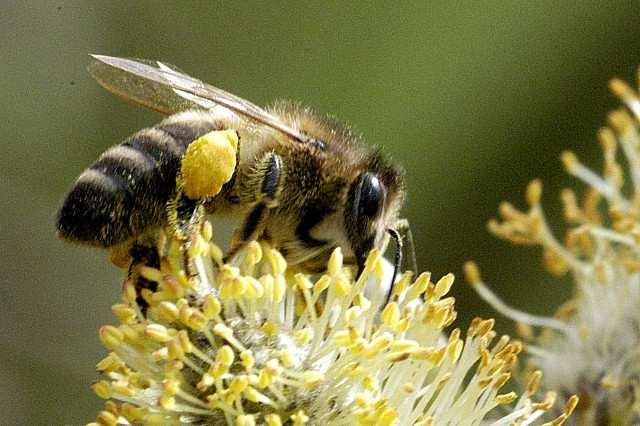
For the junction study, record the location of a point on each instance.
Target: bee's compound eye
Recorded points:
(369, 196)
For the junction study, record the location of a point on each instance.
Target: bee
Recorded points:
(303, 181)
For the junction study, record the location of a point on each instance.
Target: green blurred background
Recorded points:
(474, 98)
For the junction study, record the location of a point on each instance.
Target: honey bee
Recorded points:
(303, 181)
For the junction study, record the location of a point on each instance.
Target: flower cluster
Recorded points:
(252, 342)
(592, 345)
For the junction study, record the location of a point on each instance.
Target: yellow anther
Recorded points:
(255, 290)
(151, 274)
(167, 402)
(247, 360)
(312, 378)
(361, 301)
(253, 253)
(321, 285)
(185, 343)
(111, 337)
(534, 382)
(299, 418)
(273, 420)
(279, 288)
(409, 387)
(534, 192)
(334, 267)
(218, 369)
(129, 294)
(443, 286)
(102, 389)
(270, 328)
(303, 336)
(502, 379)
(167, 311)
(132, 413)
(209, 163)
(506, 398)
(342, 287)
(171, 387)
(352, 314)
(206, 381)
(223, 331)
(454, 349)
(105, 418)
(569, 160)
(419, 286)
(276, 261)
(225, 355)
(122, 388)
(370, 383)
(157, 333)
(391, 314)
(239, 384)
(211, 307)
(175, 350)
(110, 363)
(245, 420)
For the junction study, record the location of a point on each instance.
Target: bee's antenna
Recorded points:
(397, 261)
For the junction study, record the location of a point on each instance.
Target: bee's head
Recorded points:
(373, 204)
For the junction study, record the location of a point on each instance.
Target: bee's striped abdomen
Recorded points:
(124, 192)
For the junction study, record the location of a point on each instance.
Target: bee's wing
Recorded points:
(147, 93)
(153, 79)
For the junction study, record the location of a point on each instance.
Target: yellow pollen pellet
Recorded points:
(209, 163)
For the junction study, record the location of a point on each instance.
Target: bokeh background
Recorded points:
(474, 98)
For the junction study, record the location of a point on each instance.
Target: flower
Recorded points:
(592, 345)
(252, 341)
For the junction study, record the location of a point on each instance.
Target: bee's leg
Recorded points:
(402, 226)
(268, 178)
(184, 216)
(142, 254)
